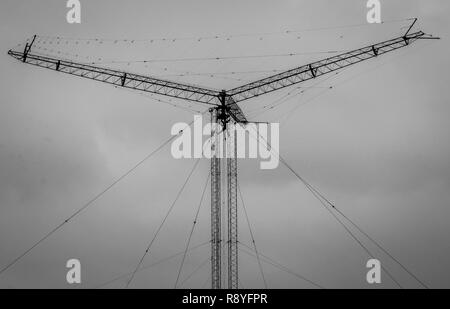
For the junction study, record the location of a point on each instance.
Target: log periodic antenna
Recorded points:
(224, 110)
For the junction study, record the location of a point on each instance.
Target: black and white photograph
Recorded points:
(248, 146)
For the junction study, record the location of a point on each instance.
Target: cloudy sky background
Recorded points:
(376, 144)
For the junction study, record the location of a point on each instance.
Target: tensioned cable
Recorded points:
(318, 197)
(321, 93)
(188, 73)
(338, 210)
(194, 224)
(404, 53)
(171, 257)
(208, 277)
(191, 73)
(220, 57)
(377, 244)
(90, 202)
(176, 73)
(313, 191)
(188, 109)
(162, 223)
(279, 266)
(22, 44)
(166, 39)
(252, 236)
(257, 112)
(218, 36)
(291, 112)
(105, 67)
(292, 94)
(350, 26)
(285, 98)
(198, 268)
(240, 285)
(205, 262)
(59, 39)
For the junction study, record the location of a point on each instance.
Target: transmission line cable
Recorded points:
(217, 36)
(90, 202)
(171, 257)
(345, 216)
(378, 245)
(199, 267)
(290, 95)
(192, 229)
(205, 262)
(217, 58)
(162, 223)
(278, 265)
(318, 197)
(292, 111)
(208, 277)
(252, 236)
(188, 109)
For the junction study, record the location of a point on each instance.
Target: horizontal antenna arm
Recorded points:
(121, 79)
(319, 68)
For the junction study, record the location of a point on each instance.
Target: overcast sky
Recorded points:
(377, 143)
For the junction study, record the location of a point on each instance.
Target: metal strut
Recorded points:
(232, 221)
(224, 260)
(216, 201)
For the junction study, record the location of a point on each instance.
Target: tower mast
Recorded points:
(224, 224)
